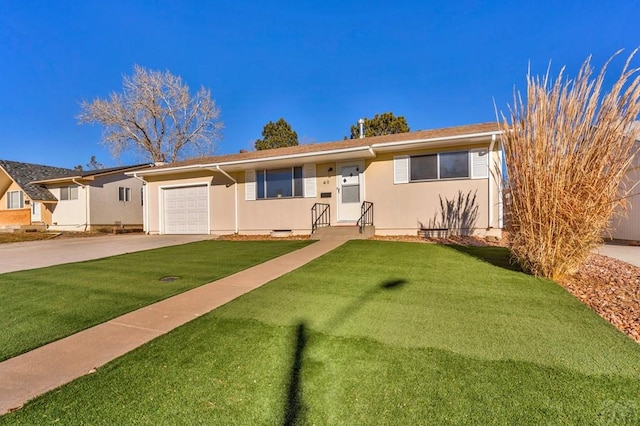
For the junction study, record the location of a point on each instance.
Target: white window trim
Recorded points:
(250, 185)
(309, 189)
(20, 201)
(476, 158)
(126, 194)
(304, 181)
(69, 193)
(402, 164)
(401, 169)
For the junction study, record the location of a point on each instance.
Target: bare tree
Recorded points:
(567, 148)
(156, 116)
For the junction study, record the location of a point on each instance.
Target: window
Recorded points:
(443, 165)
(454, 165)
(279, 183)
(124, 194)
(15, 200)
(424, 167)
(69, 192)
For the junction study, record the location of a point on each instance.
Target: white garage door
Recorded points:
(186, 210)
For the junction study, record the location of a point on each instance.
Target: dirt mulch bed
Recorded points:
(612, 289)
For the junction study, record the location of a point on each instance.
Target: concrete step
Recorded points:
(351, 232)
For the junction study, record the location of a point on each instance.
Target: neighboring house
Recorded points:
(68, 200)
(427, 180)
(627, 226)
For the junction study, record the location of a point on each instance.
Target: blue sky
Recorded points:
(320, 65)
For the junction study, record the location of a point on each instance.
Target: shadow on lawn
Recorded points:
(496, 256)
(294, 410)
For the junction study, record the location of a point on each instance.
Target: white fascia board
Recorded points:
(366, 150)
(389, 146)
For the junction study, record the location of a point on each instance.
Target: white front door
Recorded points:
(36, 212)
(350, 180)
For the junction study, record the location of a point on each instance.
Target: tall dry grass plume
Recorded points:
(567, 147)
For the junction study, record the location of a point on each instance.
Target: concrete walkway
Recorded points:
(48, 367)
(626, 253)
(38, 254)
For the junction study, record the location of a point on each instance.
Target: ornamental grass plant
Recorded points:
(567, 147)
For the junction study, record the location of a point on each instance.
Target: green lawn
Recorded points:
(373, 333)
(43, 305)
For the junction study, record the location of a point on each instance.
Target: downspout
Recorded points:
(86, 203)
(490, 153)
(235, 183)
(145, 204)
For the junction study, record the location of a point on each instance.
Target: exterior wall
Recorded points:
(254, 216)
(14, 216)
(46, 212)
(627, 227)
(155, 205)
(104, 207)
(403, 209)
(399, 209)
(70, 215)
(264, 216)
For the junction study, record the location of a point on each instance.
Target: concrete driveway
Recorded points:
(629, 254)
(38, 254)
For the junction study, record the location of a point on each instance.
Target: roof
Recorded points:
(326, 149)
(25, 173)
(92, 174)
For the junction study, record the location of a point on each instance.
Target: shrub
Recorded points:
(567, 148)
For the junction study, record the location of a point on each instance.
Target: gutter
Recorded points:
(440, 139)
(490, 180)
(145, 203)
(86, 202)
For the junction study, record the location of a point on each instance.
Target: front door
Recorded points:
(36, 213)
(350, 188)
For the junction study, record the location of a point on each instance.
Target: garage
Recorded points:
(186, 210)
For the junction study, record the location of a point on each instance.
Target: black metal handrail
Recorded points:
(320, 216)
(366, 215)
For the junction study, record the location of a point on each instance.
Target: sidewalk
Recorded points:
(629, 254)
(48, 367)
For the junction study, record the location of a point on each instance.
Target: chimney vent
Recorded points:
(361, 126)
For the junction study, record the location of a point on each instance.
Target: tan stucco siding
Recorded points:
(266, 215)
(402, 209)
(105, 207)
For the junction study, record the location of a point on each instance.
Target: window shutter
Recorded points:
(249, 185)
(479, 163)
(309, 176)
(401, 169)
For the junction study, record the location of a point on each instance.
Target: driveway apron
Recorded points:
(38, 254)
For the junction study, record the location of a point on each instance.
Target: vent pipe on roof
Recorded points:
(361, 125)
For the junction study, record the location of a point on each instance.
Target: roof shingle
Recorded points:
(24, 173)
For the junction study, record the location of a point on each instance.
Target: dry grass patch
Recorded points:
(567, 148)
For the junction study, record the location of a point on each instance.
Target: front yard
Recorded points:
(372, 333)
(43, 305)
